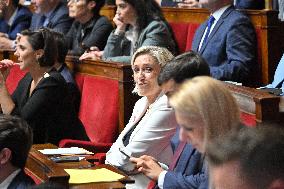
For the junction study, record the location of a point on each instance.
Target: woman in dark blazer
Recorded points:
(89, 28)
(41, 97)
(138, 23)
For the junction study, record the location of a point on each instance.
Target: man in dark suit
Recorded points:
(13, 19)
(227, 41)
(15, 143)
(52, 14)
(187, 169)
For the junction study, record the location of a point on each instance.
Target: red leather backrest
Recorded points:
(99, 107)
(180, 33)
(14, 77)
(192, 27)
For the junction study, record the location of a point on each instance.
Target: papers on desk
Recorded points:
(66, 151)
(79, 176)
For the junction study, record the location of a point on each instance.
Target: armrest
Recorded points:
(94, 147)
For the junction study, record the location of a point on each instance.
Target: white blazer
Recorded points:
(150, 137)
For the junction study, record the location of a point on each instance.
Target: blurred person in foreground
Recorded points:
(15, 144)
(249, 159)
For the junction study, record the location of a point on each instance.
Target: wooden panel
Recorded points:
(265, 106)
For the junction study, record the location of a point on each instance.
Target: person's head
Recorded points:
(7, 4)
(140, 12)
(37, 47)
(181, 68)
(249, 159)
(15, 141)
(214, 5)
(84, 10)
(44, 6)
(146, 64)
(205, 109)
(62, 47)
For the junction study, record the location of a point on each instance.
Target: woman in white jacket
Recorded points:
(152, 123)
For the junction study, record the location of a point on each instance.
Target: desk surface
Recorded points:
(84, 163)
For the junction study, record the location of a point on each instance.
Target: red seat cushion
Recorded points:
(99, 107)
(180, 33)
(14, 77)
(248, 119)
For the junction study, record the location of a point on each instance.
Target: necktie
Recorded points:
(152, 184)
(42, 20)
(209, 25)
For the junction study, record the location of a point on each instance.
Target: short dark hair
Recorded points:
(43, 39)
(258, 150)
(182, 67)
(16, 135)
(99, 5)
(62, 47)
(15, 3)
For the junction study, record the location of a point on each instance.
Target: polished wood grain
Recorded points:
(263, 105)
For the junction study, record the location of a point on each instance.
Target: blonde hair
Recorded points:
(207, 98)
(161, 55)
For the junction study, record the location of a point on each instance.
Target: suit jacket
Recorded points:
(58, 21)
(48, 110)
(157, 33)
(240, 4)
(151, 136)
(95, 32)
(21, 181)
(230, 49)
(188, 173)
(278, 76)
(21, 22)
(250, 4)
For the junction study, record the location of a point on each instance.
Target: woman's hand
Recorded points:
(94, 54)
(148, 165)
(120, 25)
(5, 66)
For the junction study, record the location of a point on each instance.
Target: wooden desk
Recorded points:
(263, 105)
(35, 157)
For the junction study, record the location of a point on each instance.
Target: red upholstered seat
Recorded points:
(98, 112)
(180, 32)
(14, 77)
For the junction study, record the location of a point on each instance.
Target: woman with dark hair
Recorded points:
(89, 28)
(138, 23)
(41, 97)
